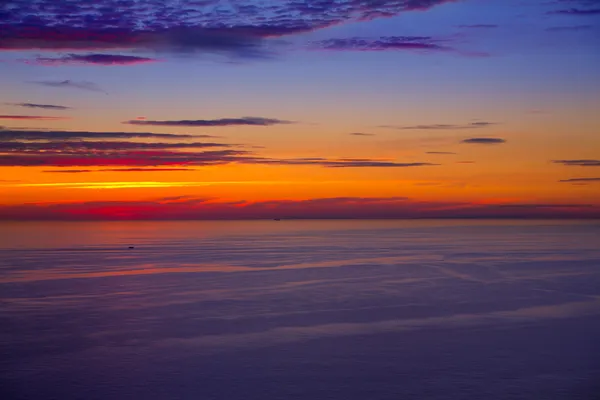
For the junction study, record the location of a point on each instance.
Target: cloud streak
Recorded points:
(385, 43)
(483, 140)
(32, 117)
(71, 147)
(67, 83)
(428, 127)
(42, 106)
(578, 163)
(575, 28)
(93, 59)
(577, 11)
(575, 180)
(80, 171)
(250, 121)
(51, 135)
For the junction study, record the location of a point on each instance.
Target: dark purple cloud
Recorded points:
(440, 152)
(79, 171)
(94, 59)
(421, 43)
(126, 158)
(472, 125)
(578, 163)
(479, 26)
(361, 134)
(237, 28)
(252, 121)
(32, 117)
(49, 135)
(73, 157)
(42, 106)
(78, 146)
(483, 140)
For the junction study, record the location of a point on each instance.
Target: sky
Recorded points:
(213, 109)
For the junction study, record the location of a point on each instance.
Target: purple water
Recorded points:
(300, 310)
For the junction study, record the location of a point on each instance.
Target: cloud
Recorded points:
(94, 59)
(580, 180)
(71, 147)
(32, 117)
(440, 152)
(88, 156)
(542, 205)
(74, 149)
(361, 134)
(479, 26)
(83, 85)
(43, 106)
(337, 208)
(574, 28)
(343, 163)
(252, 121)
(421, 43)
(472, 125)
(577, 11)
(79, 171)
(50, 135)
(579, 163)
(483, 140)
(131, 158)
(238, 29)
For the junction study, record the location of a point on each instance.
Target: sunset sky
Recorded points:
(189, 109)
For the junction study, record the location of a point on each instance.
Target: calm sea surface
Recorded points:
(300, 310)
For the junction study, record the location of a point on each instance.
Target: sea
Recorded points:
(300, 309)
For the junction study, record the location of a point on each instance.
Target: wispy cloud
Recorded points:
(419, 43)
(577, 11)
(472, 125)
(42, 106)
(343, 163)
(93, 59)
(51, 135)
(361, 134)
(580, 180)
(32, 117)
(440, 152)
(79, 171)
(484, 140)
(479, 26)
(574, 28)
(252, 121)
(67, 83)
(578, 163)
(70, 147)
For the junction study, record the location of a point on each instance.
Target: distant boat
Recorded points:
(276, 219)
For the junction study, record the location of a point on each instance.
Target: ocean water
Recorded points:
(300, 310)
